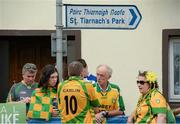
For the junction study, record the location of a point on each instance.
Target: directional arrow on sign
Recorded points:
(134, 17)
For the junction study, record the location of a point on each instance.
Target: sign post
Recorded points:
(102, 16)
(59, 37)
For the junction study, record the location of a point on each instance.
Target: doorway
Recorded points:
(19, 47)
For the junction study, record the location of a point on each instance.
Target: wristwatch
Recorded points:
(105, 113)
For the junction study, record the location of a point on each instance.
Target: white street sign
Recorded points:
(102, 16)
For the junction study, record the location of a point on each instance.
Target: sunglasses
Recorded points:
(141, 82)
(30, 66)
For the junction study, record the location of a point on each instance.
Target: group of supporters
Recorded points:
(85, 98)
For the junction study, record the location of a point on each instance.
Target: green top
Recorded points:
(121, 101)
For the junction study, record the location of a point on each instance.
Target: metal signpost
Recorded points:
(102, 16)
(59, 35)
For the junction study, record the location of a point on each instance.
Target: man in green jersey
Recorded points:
(76, 97)
(21, 92)
(111, 102)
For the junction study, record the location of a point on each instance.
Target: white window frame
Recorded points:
(172, 97)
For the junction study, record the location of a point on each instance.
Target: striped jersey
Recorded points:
(121, 101)
(150, 105)
(109, 100)
(76, 99)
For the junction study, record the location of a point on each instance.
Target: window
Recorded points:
(174, 69)
(171, 66)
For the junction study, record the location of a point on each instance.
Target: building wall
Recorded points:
(29, 14)
(1, 12)
(126, 51)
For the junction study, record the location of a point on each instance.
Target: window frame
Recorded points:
(167, 34)
(172, 96)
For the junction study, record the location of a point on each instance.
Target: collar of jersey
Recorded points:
(30, 85)
(49, 89)
(75, 78)
(99, 89)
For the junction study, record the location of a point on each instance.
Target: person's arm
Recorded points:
(114, 113)
(117, 106)
(94, 102)
(159, 106)
(11, 94)
(176, 111)
(25, 100)
(131, 117)
(161, 118)
(121, 103)
(120, 99)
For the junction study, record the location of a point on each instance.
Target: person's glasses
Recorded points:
(30, 66)
(141, 82)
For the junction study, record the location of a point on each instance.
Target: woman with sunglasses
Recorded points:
(152, 106)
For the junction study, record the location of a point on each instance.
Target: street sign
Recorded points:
(102, 16)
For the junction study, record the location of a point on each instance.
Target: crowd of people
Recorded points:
(85, 98)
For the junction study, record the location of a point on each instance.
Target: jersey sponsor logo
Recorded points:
(71, 90)
(105, 106)
(104, 97)
(23, 92)
(157, 101)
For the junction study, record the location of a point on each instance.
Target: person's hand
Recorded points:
(26, 100)
(130, 120)
(98, 118)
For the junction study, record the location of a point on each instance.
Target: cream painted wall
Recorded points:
(126, 51)
(1, 12)
(29, 14)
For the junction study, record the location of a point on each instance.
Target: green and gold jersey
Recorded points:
(76, 99)
(121, 101)
(109, 100)
(150, 105)
(41, 104)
